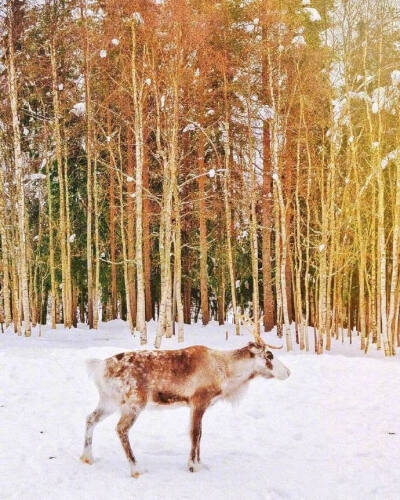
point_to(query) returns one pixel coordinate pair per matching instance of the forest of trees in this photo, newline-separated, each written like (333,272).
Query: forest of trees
(198,160)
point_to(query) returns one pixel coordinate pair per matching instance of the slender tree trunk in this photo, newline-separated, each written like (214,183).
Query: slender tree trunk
(147,238)
(395,261)
(169,180)
(253,227)
(124,250)
(96,288)
(68,275)
(112,216)
(66,298)
(381,227)
(19,166)
(4,254)
(89,184)
(138,109)
(228,213)
(130,228)
(203,235)
(178,266)
(267,211)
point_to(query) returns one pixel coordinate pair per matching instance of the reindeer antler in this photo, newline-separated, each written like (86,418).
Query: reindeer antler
(273,346)
(246,321)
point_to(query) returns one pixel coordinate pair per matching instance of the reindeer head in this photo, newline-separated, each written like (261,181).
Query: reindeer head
(267,365)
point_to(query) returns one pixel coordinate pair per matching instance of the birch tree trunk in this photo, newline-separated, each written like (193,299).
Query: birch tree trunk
(66,285)
(178,265)
(381,225)
(96,288)
(111,219)
(169,184)
(4,253)
(147,238)
(53,284)
(68,274)
(130,227)
(203,235)
(228,213)
(124,246)
(89,183)
(253,227)
(138,109)
(18,165)
(267,210)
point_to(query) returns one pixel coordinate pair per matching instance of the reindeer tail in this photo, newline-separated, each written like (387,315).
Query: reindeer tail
(95,368)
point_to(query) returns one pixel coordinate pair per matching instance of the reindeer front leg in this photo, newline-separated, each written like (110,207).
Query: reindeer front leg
(128,417)
(195,433)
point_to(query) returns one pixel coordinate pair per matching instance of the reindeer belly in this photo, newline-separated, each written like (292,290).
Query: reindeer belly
(167,399)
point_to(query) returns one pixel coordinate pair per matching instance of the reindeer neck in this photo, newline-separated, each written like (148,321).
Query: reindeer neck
(240,370)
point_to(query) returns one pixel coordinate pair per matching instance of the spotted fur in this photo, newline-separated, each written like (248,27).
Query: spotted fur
(196,377)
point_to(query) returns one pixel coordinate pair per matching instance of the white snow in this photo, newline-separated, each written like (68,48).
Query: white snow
(339,106)
(60,86)
(138,17)
(72,238)
(190,127)
(298,41)
(79,109)
(115,41)
(103,53)
(378,99)
(395,76)
(331,431)
(211,173)
(362,96)
(390,157)
(313,14)
(37,177)
(336,74)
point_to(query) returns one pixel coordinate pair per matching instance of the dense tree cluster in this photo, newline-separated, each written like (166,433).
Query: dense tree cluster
(190,160)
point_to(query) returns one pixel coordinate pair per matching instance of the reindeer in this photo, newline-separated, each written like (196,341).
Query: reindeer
(196,377)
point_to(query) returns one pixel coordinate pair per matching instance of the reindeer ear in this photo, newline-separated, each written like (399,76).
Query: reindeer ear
(255,348)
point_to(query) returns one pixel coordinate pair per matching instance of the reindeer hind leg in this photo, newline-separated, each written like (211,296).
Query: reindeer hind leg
(103,410)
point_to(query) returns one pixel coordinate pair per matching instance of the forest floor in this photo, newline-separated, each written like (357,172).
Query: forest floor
(331,431)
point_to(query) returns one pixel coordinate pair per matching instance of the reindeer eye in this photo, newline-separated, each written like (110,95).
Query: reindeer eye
(268,364)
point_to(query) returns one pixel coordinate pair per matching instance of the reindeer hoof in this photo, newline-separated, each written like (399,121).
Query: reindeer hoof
(193,467)
(137,471)
(86,460)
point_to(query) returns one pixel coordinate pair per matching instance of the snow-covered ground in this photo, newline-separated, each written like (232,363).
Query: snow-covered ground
(331,431)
